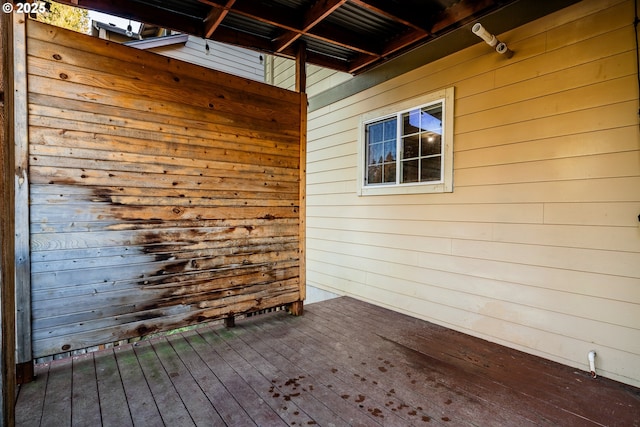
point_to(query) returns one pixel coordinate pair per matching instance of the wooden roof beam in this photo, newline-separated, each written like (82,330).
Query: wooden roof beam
(142,13)
(238,38)
(312,17)
(454,15)
(215,17)
(382,7)
(346,39)
(461,11)
(271,14)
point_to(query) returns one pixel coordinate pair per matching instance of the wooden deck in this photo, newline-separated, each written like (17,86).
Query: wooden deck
(343,363)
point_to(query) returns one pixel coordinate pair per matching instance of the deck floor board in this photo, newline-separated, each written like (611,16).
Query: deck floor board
(86,402)
(433,376)
(343,363)
(111,391)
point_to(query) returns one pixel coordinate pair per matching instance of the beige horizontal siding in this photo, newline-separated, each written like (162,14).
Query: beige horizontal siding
(538,246)
(281,72)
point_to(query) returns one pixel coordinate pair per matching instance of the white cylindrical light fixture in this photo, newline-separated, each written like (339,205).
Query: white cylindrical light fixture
(491,40)
(485,35)
(502,49)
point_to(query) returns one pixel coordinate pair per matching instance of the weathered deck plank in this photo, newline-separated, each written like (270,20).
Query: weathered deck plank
(142,407)
(29,406)
(236,386)
(113,400)
(57,399)
(201,410)
(86,403)
(168,400)
(344,362)
(287,383)
(227,407)
(321,354)
(553,393)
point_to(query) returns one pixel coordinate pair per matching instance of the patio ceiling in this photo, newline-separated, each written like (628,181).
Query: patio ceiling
(346,35)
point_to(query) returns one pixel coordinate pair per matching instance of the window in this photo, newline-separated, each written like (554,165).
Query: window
(407,148)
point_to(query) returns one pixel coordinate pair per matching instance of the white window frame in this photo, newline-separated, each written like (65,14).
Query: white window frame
(446,96)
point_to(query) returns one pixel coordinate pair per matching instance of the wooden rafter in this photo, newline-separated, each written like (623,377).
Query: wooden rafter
(312,17)
(330,27)
(142,13)
(460,12)
(381,7)
(215,17)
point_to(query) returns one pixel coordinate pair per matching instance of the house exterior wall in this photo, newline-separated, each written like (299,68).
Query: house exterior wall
(229,59)
(538,245)
(281,72)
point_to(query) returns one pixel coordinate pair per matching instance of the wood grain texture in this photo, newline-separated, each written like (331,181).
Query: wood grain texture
(7,226)
(162,194)
(21,194)
(344,363)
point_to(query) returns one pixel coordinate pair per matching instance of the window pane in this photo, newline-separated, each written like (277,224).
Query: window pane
(431,144)
(410,171)
(430,169)
(411,122)
(431,119)
(381,151)
(411,147)
(374,174)
(374,132)
(375,154)
(390,129)
(390,151)
(390,172)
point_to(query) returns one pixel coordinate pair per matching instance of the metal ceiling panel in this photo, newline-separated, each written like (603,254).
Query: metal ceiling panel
(347,35)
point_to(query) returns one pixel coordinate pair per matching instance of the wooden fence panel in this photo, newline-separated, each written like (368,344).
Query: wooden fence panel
(162,194)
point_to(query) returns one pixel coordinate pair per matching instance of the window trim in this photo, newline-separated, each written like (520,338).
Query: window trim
(445,186)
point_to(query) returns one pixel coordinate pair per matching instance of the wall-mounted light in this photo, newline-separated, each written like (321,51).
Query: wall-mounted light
(491,40)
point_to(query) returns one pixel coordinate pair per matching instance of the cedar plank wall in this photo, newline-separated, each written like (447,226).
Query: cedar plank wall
(538,246)
(162,194)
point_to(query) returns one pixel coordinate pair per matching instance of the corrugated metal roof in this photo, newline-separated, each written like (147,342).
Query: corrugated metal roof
(347,35)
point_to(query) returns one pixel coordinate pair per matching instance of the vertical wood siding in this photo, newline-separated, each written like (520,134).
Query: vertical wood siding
(538,247)
(162,194)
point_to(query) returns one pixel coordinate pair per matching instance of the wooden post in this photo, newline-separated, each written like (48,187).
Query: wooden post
(301,68)
(296,308)
(301,86)
(230,321)
(21,197)
(7,269)
(302,214)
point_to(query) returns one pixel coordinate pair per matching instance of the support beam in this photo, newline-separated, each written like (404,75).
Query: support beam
(302,210)
(301,68)
(138,11)
(215,17)
(312,17)
(7,277)
(21,197)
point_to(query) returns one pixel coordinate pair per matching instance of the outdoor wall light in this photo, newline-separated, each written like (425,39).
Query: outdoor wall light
(491,40)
